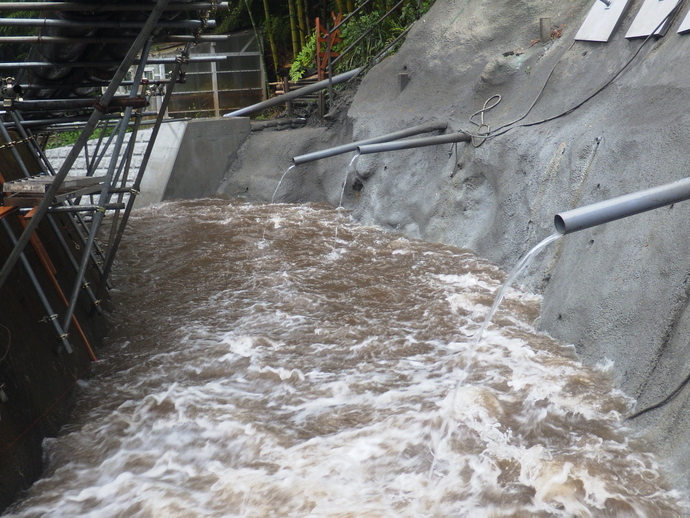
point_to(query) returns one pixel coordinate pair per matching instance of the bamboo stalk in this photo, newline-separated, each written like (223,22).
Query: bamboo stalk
(271,39)
(301,24)
(293,28)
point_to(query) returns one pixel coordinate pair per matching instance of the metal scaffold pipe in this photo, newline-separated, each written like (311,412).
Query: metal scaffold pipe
(96,115)
(300,92)
(346,148)
(111,64)
(102,24)
(74,104)
(414,143)
(622,206)
(50,315)
(174,38)
(109,6)
(110,259)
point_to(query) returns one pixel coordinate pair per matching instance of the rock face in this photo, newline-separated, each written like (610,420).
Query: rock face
(619,291)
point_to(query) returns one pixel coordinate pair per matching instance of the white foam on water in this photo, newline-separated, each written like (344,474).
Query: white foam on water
(297,381)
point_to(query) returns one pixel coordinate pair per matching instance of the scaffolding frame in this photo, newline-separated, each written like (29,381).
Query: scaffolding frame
(37,198)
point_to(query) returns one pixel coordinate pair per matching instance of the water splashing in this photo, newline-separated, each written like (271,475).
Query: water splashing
(446,430)
(263,234)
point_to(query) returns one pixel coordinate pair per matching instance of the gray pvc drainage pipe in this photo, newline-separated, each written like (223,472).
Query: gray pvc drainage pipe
(305,90)
(352,146)
(622,206)
(412,143)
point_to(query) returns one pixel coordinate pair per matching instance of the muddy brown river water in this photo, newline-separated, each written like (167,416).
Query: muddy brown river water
(281,361)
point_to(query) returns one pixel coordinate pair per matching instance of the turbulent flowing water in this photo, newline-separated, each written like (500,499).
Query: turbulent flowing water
(302,375)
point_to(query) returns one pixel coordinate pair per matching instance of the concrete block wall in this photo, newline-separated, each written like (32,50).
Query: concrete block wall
(58,155)
(188,160)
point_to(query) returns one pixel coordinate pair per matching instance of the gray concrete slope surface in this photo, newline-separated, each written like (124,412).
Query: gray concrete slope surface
(617,292)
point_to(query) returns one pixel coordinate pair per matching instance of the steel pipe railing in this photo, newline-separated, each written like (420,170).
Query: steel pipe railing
(92,84)
(414,143)
(622,206)
(294,94)
(364,34)
(352,146)
(87,208)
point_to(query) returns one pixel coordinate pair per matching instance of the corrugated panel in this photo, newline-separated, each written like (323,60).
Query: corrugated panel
(602,21)
(650,16)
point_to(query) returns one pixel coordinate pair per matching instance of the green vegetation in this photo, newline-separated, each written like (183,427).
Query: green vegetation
(288,26)
(305,59)
(15,52)
(376,36)
(67,138)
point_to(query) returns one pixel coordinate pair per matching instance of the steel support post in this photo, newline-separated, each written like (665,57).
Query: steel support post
(107,267)
(124,169)
(62,333)
(38,152)
(97,218)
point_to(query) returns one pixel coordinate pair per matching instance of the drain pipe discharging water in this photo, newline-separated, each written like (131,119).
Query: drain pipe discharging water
(413,143)
(352,146)
(622,206)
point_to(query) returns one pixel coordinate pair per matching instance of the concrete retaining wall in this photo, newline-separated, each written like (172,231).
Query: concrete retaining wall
(189,159)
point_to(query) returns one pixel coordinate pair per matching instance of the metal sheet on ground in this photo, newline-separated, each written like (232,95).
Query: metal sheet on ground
(651,14)
(602,20)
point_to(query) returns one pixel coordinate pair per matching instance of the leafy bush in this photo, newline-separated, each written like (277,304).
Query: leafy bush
(375,36)
(304,60)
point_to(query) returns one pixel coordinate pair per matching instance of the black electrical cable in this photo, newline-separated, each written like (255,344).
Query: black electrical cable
(493,134)
(661,403)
